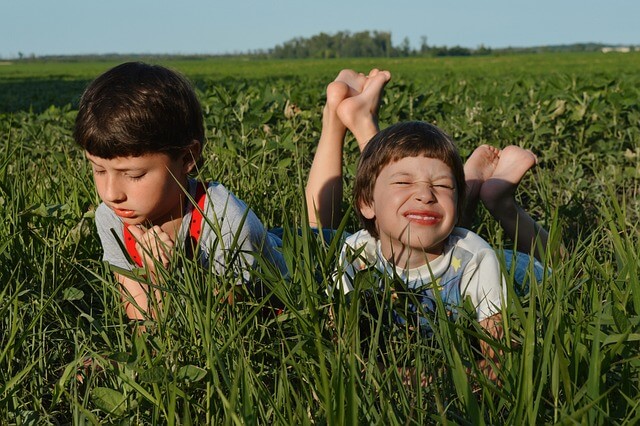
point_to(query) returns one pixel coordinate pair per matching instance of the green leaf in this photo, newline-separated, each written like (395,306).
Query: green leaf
(191,373)
(72,293)
(109,400)
(120,356)
(620,319)
(157,374)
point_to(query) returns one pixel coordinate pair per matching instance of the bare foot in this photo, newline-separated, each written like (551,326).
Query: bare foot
(348,83)
(479,167)
(337,91)
(360,112)
(500,188)
(498,195)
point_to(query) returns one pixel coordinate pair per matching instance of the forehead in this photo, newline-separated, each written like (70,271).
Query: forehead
(131,162)
(418,167)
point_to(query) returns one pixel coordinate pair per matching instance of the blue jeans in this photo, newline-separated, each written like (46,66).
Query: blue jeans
(524,263)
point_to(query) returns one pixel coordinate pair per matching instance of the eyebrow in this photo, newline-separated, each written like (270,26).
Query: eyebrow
(411,175)
(119,169)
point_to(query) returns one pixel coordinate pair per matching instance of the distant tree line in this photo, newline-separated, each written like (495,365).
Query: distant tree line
(364,44)
(339,45)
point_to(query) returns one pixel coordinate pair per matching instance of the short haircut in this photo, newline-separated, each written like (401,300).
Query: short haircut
(401,140)
(135,109)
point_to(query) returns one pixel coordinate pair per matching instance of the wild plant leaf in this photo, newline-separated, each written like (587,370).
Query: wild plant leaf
(620,318)
(191,373)
(72,293)
(120,357)
(109,400)
(155,374)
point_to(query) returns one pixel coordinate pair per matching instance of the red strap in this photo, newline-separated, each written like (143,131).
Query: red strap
(130,244)
(195,227)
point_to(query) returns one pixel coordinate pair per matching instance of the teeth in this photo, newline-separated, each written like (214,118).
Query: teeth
(416,216)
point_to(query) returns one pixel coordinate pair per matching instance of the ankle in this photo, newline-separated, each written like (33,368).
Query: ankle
(501,207)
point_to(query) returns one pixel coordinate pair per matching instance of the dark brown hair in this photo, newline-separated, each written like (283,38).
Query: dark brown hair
(401,140)
(135,109)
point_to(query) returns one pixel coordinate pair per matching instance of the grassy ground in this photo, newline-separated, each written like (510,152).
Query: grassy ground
(572,347)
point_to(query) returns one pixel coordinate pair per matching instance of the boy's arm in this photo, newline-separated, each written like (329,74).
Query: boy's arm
(135,297)
(491,359)
(155,247)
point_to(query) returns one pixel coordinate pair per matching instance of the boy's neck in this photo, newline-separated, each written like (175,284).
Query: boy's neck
(172,223)
(406,257)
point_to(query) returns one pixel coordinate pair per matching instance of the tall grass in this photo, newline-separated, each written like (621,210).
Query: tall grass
(570,353)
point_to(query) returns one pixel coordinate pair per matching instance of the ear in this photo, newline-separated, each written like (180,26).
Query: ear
(367,210)
(191,156)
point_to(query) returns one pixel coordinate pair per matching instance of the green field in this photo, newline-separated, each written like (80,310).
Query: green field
(572,352)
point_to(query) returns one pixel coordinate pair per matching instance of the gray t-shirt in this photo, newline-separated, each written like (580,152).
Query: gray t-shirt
(231,234)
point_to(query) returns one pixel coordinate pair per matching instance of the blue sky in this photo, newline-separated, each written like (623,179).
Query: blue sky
(45,27)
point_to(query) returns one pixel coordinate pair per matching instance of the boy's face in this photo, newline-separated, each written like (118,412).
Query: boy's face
(145,189)
(414,207)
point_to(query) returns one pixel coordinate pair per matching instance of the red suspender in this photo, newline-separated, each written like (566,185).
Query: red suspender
(195,227)
(130,244)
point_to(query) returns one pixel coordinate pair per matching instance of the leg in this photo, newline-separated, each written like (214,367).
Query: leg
(477,169)
(323,192)
(324,187)
(498,195)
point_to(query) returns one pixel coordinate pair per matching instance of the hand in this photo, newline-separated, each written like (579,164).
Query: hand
(153,245)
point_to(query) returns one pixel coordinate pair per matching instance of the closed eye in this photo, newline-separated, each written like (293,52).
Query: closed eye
(137,177)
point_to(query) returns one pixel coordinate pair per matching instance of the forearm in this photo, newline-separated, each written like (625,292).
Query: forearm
(137,300)
(490,362)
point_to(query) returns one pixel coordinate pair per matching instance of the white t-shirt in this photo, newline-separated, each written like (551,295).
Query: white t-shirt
(466,256)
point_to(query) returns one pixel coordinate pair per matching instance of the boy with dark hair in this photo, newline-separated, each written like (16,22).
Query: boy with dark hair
(142,130)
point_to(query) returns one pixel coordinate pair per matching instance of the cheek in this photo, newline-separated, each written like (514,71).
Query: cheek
(456,210)
(100,183)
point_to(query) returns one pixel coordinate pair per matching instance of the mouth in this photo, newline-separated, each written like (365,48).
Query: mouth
(423,217)
(124,213)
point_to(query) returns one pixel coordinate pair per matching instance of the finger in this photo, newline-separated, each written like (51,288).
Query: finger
(156,231)
(153,241)
(137,231)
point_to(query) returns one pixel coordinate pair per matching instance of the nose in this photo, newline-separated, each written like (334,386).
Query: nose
(112,190)
(424,193)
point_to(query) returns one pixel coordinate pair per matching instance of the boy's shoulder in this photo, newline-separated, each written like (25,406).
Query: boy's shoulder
(468,240)
(220,200)
(359,250)
(106,218)
(360,239)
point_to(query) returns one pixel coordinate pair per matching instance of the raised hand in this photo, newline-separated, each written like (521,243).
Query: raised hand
(154,246)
